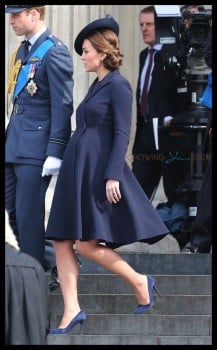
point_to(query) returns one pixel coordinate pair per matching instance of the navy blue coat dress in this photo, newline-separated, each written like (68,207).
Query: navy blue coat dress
(96,152)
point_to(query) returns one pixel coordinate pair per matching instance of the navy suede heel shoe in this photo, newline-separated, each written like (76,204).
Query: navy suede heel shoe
(79,318)
(151,286)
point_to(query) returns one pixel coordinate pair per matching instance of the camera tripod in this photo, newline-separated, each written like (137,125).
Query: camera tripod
(193,121)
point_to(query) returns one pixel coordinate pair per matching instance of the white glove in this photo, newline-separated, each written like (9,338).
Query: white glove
(51,166)
(167,120)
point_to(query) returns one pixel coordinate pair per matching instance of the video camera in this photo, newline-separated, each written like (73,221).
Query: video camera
(185,35)
(191,68)
(194,36)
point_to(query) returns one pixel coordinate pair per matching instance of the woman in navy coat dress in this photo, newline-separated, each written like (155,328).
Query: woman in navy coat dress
(97,198)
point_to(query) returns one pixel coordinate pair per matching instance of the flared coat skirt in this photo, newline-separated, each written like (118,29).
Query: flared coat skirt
(80,209)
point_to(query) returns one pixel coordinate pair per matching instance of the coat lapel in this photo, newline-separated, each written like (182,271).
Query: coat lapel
(92,91)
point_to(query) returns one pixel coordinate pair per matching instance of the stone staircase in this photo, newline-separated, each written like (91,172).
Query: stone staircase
(181,315)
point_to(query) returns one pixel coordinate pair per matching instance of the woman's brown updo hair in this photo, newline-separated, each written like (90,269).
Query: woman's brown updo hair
(106,41)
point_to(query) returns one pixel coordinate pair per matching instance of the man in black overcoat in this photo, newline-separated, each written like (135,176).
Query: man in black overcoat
(27,305)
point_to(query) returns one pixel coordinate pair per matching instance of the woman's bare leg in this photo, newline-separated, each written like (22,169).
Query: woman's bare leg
(112,261)
(67,268)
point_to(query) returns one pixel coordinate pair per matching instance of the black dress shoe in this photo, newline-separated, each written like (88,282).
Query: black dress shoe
(54,282)
(191,248)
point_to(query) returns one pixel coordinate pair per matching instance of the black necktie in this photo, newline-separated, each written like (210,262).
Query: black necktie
(143,104)
(26,47)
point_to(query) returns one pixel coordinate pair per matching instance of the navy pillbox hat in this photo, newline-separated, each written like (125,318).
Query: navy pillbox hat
(18,8)
(101,23)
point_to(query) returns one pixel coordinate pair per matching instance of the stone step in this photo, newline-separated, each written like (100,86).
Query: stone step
(187,295)
(181,315)
(167,284)
(125,304)
(141,326)
(161,264)
(127,340)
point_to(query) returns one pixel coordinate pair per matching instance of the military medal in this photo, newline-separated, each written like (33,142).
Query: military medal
(32,69)
(31,87)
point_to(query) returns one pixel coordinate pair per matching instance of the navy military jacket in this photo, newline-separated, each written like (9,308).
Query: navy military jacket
(40,124)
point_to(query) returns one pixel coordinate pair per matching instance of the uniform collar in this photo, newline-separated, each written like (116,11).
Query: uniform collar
(33,39)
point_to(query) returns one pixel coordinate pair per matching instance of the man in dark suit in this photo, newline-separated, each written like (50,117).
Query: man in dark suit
(40,84)
(169,161)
